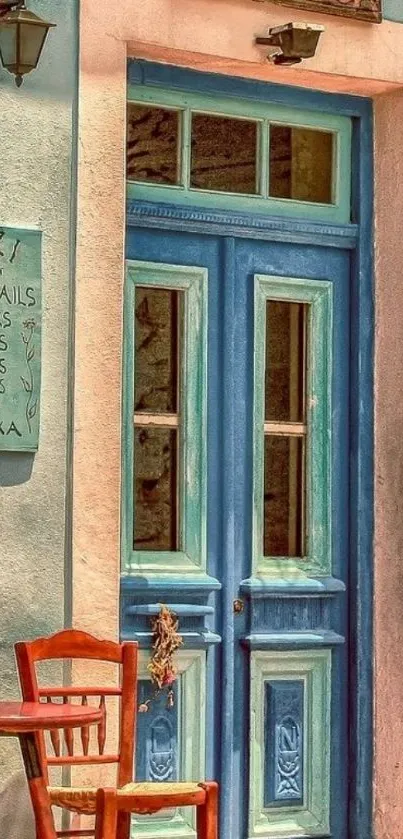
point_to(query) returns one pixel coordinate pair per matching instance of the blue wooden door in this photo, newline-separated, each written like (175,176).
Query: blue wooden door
(258,581)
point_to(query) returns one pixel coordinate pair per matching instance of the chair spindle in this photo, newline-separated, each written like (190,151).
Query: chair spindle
(102,726)
(54,734)
(85,731)
(68,734)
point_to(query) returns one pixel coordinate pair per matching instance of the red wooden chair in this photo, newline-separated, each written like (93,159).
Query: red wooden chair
(149,798)
(72,644)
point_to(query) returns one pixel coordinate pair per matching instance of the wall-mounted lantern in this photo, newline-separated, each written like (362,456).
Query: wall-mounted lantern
(295,40)
(22,36)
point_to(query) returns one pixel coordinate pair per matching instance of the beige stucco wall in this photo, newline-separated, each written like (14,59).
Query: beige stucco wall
(218,35)
(36,180)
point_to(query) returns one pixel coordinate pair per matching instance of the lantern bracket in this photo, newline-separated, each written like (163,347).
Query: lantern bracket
(10,5)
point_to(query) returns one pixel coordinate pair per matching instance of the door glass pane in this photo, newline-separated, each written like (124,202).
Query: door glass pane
(155,483)
(153,144)
(224,154)
(301,164)
(158,340)
(157,330)
(285,361)
(283,496)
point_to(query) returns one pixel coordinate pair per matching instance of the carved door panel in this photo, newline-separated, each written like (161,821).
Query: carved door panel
(260,702)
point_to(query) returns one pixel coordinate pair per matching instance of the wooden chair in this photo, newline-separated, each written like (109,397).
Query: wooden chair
(72,644)
(148,798)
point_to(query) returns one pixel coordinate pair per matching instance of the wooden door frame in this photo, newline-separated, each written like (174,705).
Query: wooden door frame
(358,237)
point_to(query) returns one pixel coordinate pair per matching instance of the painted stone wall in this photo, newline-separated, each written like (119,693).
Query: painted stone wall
(393,10)
(36,189)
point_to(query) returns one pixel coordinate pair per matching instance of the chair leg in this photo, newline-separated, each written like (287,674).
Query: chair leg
(123,826)
(106,814)
(207,814)
(44,823)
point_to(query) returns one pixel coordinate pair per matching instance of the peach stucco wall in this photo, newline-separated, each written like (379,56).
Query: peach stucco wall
(389,469)
(225,30)
(218,35)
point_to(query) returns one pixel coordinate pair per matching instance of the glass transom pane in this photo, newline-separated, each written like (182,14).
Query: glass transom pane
(153,144)
(224,154)
(301,164)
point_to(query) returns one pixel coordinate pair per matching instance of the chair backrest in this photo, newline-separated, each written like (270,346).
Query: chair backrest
(72,644)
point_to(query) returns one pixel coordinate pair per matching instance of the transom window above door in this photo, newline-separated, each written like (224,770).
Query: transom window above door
(247,156)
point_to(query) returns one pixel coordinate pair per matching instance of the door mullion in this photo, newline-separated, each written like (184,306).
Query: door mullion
(229,791)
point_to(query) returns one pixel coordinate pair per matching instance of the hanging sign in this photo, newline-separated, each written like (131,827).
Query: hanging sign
(20,338)
(370,10)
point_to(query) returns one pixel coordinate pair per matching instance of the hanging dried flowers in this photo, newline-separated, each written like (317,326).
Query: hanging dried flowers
(166,641)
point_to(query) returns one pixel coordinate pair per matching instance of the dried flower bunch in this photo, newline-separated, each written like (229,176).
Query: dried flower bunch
(166,640)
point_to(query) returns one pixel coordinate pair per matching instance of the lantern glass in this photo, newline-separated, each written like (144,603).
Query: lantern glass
(32,39)
(8,45)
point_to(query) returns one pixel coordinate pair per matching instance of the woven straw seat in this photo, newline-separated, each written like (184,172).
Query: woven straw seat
(82,800)
(173,788)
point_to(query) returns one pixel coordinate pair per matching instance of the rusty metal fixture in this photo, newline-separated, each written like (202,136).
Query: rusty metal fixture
(166,640)
(296,41)
(22,37)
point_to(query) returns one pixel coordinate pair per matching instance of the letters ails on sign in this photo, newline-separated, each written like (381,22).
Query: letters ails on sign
(20,339)
(370,10)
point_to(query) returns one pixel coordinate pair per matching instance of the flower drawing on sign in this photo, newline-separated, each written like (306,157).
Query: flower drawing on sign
(28,383)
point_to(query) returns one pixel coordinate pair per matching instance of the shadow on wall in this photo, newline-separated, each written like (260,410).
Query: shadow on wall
(15,469)
(16,817)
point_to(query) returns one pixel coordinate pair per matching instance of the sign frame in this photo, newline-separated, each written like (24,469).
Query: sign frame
(20,338)
(369,10)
